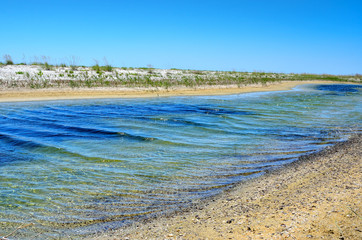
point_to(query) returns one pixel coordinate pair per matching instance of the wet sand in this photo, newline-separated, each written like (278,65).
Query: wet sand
(13,95)
(317,197)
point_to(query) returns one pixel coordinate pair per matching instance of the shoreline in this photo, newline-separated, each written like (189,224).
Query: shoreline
(22,95)
(317,196)
(247,201)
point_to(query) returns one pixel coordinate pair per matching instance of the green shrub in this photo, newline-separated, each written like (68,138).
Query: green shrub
(96,67)
(8,59)
(107,68)
(47,66)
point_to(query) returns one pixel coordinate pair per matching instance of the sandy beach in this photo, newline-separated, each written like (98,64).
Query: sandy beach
(317,197)
(15,95)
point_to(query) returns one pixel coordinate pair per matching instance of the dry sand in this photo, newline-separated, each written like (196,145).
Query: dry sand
(317,197)
(7,95)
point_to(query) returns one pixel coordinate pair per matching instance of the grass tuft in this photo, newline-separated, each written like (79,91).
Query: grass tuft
(8,59)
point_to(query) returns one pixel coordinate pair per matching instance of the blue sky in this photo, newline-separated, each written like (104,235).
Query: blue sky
(298,36)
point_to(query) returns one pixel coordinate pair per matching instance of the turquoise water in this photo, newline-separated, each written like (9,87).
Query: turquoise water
(79,167)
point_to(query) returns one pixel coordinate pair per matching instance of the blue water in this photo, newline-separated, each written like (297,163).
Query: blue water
(79,167)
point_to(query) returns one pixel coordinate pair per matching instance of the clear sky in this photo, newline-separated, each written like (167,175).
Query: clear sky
(313,36)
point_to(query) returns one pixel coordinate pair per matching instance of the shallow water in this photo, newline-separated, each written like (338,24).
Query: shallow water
(78,167)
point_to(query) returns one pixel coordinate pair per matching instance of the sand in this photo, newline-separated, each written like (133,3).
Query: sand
(13,95)
(317,197)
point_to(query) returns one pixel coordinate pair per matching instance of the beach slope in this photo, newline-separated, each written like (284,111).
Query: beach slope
(317,197)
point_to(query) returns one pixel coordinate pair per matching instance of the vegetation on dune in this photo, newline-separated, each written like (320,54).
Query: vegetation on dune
(98,69)
(75,76)
(8,59)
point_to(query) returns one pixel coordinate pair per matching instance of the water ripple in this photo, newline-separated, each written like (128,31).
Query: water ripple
(82,166)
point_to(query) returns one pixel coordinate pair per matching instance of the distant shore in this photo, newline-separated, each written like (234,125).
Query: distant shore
(16,95)
(45,82)
(318,196)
